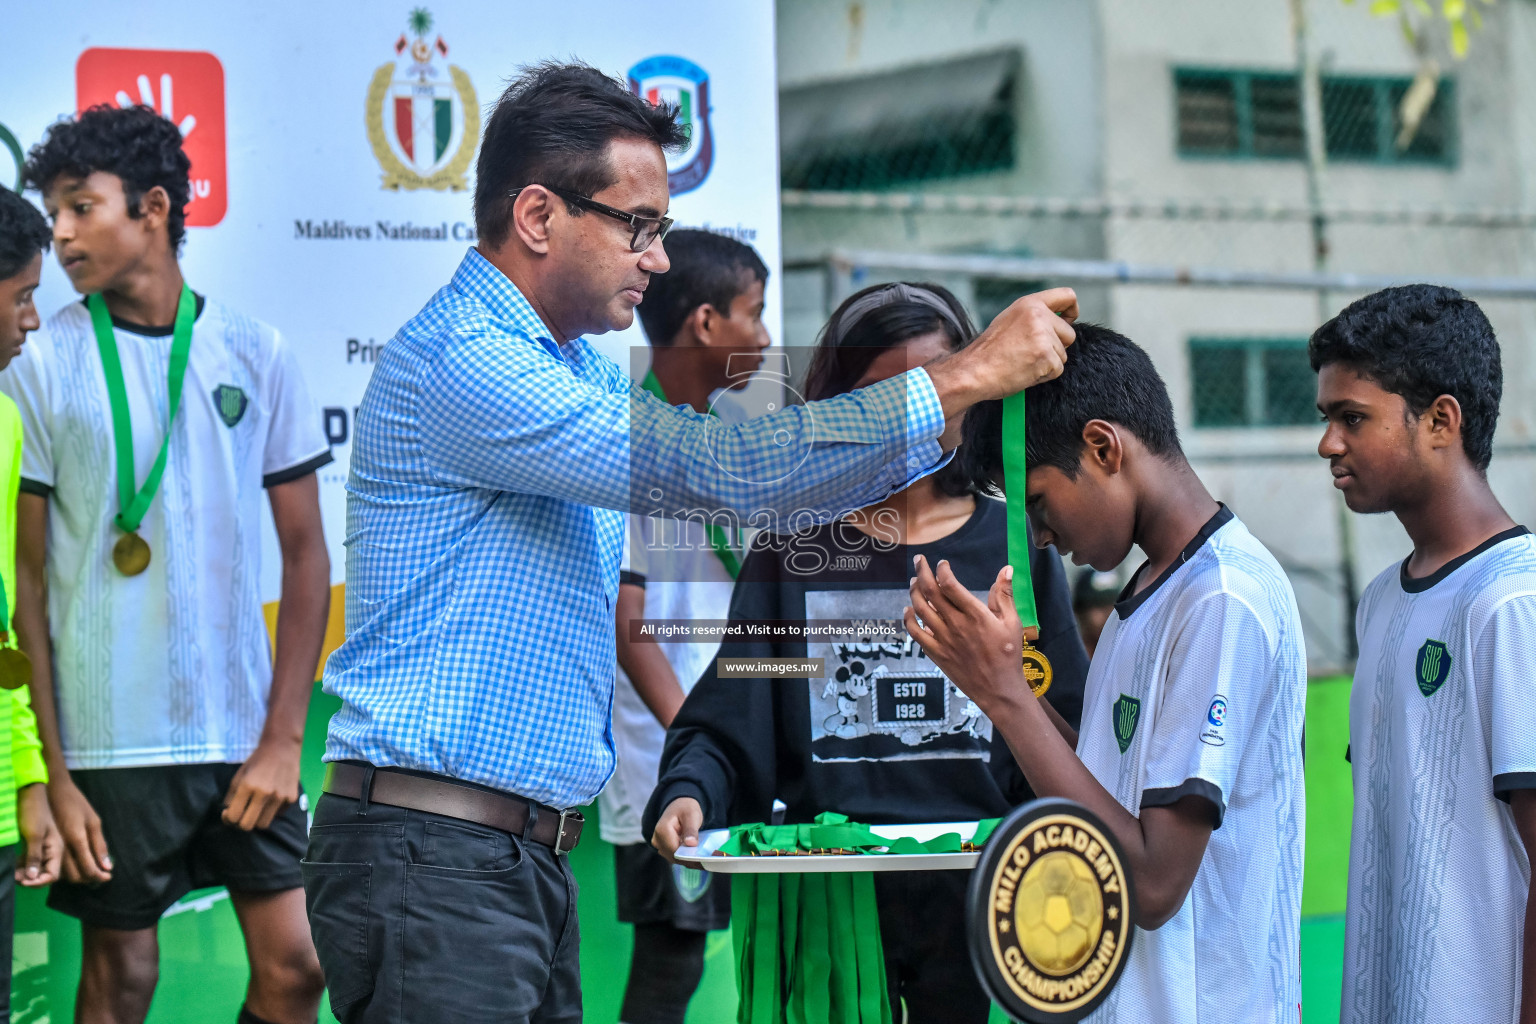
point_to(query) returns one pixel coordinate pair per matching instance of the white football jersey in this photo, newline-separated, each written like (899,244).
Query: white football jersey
(1440,734)
(684,579)
(1198,686)
(171,666)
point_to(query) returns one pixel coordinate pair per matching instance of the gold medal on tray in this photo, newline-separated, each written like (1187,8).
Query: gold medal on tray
(130,554)
(15,666)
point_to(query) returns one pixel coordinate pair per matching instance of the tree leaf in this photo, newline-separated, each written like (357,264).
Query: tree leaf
(1382,8)
(1454,10)
(1459,38)
(1408,32)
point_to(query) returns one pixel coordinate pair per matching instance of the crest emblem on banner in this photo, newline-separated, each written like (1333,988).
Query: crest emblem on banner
(423,119)
(685,85)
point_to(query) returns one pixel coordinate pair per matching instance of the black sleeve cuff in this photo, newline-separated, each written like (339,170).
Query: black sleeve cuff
(634,579)
(1505,784)
(1349,752)
(36,487)
(663,797)
(1189,787)
(292,473)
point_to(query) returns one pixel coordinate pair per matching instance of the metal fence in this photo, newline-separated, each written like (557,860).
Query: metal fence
(1223,295)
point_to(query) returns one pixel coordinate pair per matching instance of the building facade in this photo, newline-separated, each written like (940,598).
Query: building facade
(969,142)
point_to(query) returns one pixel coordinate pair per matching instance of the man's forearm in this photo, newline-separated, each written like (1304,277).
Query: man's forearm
(791,468)
(956,385)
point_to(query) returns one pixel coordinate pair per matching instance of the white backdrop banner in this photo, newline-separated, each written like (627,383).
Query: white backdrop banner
(333,148)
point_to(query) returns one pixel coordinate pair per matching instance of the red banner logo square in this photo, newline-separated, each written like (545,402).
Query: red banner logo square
(186,86)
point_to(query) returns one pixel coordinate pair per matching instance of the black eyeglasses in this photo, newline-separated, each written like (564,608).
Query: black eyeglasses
(646,229)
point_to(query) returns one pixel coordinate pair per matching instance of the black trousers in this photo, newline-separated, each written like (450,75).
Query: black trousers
(421,917)
(923,934)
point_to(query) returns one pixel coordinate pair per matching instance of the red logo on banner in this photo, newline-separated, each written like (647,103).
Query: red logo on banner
(185,86)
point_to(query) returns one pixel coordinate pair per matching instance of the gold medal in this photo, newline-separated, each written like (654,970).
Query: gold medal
(1037,669)
(130,554)
(15,667)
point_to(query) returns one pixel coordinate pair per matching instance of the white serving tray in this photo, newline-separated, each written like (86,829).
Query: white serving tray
(702,856)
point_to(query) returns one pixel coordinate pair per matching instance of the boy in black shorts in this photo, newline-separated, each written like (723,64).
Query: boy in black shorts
(154,418)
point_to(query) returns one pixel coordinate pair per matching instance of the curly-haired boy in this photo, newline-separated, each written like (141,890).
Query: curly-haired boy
(154,418)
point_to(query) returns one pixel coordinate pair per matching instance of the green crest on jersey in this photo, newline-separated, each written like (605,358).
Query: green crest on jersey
(231,403)
(1127,712)
(1432,667)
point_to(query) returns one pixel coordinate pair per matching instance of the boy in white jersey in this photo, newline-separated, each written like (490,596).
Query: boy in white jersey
(1440,924)
(1190,748)
(171,734)
(704,318)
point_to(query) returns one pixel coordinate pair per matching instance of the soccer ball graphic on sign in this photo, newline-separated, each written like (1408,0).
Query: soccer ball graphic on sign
(1060,912)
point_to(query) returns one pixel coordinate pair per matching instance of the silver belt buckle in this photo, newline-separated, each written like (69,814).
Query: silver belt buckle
(560,835)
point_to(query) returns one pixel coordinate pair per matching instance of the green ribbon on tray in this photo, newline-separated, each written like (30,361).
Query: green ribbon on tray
(808,945)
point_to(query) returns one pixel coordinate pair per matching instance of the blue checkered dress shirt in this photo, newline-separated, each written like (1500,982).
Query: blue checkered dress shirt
(491,468)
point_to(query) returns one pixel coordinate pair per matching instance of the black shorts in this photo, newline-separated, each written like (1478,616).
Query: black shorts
(166,836)
(652,891)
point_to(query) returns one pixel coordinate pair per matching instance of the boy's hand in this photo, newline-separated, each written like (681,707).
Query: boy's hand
(45,846)
(679,826)
(267,782)
(86,859)
(977,646)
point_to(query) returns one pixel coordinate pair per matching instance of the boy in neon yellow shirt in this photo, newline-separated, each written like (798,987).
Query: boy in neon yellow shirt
(24,235)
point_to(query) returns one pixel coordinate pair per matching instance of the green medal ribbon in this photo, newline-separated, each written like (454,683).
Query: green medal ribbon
(1014,468)
(133,502)
(808,945)
(1037,667)
(724,549)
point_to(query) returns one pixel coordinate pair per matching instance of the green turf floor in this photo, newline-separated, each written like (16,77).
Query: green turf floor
(202,974)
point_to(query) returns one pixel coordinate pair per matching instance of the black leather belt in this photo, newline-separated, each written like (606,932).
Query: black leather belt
(560,830)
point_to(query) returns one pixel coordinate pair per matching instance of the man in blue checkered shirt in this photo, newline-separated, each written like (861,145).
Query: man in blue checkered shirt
(495,455)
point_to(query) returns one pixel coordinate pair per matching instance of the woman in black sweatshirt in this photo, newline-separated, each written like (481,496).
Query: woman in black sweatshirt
(882,736)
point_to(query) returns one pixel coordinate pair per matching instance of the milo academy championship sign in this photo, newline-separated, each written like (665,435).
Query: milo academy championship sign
(1050,912)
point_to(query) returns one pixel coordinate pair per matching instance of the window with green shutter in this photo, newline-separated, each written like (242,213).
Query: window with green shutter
(1251,382)
(1240,114)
